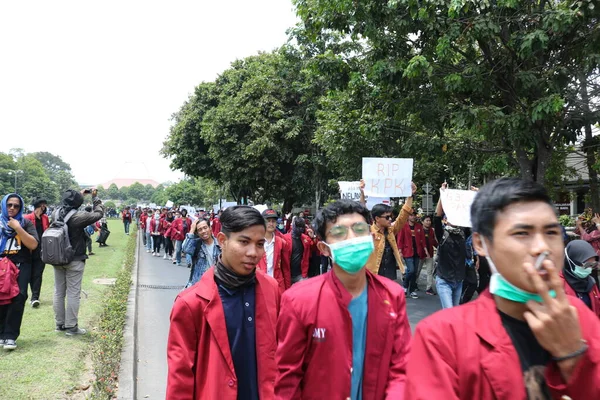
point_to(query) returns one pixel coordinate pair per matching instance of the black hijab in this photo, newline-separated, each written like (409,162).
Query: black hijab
(579,251)
(71,200)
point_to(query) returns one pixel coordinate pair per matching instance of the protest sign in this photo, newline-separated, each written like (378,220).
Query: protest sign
(457,206)
(350,190)
(387,177)
(169,204)
(371,201)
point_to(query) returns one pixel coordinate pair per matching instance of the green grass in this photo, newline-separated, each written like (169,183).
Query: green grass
(47,364)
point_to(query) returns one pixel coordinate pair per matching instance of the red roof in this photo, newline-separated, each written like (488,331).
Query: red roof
(128,182)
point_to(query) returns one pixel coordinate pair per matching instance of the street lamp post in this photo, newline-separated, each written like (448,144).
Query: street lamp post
(15,172)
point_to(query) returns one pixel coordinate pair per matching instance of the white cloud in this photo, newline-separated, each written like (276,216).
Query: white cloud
(96,83)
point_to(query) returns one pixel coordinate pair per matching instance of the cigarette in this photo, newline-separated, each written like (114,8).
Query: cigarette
(540,259)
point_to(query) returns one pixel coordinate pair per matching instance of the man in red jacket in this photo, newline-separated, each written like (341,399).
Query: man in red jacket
(41,223)
(411,243)
(299,250)
(222,337)
(181,227)
(524,338)
(276,260)
(344,334)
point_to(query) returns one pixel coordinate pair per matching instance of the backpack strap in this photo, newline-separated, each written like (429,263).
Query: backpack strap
(68,216)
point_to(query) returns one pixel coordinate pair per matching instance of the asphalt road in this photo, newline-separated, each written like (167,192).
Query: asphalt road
(159,282)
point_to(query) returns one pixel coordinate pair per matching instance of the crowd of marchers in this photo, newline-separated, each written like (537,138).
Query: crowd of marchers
(317,312)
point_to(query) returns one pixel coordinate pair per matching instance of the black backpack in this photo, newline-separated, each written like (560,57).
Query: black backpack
(55,242)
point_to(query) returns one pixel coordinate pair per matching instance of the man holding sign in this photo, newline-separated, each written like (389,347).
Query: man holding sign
(386,258)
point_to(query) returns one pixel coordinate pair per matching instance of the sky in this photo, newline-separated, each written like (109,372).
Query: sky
(97,82)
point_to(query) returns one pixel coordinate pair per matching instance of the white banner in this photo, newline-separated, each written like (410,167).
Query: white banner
(371,201)
(350,190)
(169,204)
(457,206)
(387,177)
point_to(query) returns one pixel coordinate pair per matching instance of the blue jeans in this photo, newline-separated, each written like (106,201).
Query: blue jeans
(178,244)
(148,241)
(449,292)
(126,223)
(410,280)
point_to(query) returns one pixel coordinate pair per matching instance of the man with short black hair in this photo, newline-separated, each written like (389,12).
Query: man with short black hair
(222,336)
(40,220)
(276,261)
(524,338)
(344,334)
(126,216)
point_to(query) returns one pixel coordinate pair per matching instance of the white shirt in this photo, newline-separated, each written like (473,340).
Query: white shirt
(270,250)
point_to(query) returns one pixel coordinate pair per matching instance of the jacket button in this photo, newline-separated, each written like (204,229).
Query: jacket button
(230,383)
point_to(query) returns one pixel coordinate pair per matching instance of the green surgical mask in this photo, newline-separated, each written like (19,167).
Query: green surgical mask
(502,288)
(579,271)
(352,254)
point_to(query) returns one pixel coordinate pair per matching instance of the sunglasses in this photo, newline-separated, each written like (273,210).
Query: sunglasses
(12,205)
(389,217)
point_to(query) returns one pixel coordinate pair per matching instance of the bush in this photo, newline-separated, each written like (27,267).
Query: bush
(108,339)
(566,220)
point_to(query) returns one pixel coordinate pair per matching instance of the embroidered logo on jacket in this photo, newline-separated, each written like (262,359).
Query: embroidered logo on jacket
(319,334)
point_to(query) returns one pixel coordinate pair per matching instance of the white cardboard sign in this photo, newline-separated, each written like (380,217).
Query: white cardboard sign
(349,190)
(457,206)
(387,177)
(371,201)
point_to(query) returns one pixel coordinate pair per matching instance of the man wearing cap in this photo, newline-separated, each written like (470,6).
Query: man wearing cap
(40,220)
(276,260)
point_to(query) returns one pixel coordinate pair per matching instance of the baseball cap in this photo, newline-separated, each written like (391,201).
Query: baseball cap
(270,213)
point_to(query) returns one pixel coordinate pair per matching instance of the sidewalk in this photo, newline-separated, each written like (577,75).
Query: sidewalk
(159,282)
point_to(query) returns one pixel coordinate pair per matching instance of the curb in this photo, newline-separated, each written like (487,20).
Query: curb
(128,367)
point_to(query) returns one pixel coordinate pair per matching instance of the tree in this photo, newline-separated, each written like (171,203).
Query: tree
(34,181)
(497,76)
(58,170)
(113,192)
(159,196)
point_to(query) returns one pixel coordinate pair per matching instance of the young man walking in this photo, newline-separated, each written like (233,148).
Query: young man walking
(427,262)
(276,261)
(222,336)
(524,338)
(344,334)
(40,220)
(411,243)
(126,216)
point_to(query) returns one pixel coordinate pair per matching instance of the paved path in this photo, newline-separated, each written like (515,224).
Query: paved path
(159,282)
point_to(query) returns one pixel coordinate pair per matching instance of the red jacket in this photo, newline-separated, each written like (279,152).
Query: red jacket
(156,226)
(432,240)
(309,244)
(198,352)
(314,334)
(594,295)
(143,219)
(126,216)
(215,226)
(178,233)
(465,353)
(281,263)
(405,243)
(44,218)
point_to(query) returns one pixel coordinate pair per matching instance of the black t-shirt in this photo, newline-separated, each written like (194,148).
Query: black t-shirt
(40,231)
(297,253)
(15,250)
(533,357)
(414,240)
(388,261)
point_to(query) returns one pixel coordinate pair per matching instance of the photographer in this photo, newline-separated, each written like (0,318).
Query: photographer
(67,278)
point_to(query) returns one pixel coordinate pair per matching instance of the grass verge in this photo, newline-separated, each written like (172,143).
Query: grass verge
(50,365)
(108,338)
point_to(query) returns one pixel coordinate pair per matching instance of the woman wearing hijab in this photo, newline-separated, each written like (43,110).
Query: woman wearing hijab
(167,224)
(580,260)
(18,238)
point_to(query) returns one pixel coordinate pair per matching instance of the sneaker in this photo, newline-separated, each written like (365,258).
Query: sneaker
(153,254)
(60,328)
(75,331)
(413,295)
(10,344)
(91,253)
(35,303)
(178,264)
(174,262)
(165,257)
(189,265)
(147,251)
(430,292)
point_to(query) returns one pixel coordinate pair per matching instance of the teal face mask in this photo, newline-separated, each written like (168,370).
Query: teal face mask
(579,271)
(502,288)
(352,254)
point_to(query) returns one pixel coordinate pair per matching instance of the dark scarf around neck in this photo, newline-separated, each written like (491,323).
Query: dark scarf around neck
(579,285)
(229,279)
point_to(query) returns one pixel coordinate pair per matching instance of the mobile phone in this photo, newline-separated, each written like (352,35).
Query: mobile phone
(87,191)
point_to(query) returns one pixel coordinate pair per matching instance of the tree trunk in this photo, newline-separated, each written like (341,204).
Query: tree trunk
(590,150)
(542,159)
(525,165)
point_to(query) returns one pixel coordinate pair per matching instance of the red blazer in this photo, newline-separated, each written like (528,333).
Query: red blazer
(177,228)
(215,226)
(281,263)
(143,219)
(314,335)
(156,226)
(45,221)
(198,352)
(167,228)
(594,295)
(405,244)
(432,241)
(465,353)
(309,244)
(126,216)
